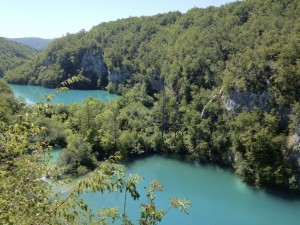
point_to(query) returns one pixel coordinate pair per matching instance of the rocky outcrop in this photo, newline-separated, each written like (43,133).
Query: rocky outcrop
(93,65)
(95,69)
(155,82)
(203,113)
(294,145)
(237,101)
(294,140)
(118,77)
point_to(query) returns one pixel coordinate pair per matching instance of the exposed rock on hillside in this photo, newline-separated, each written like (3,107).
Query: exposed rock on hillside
(118,77)
(237,101)
(95,68)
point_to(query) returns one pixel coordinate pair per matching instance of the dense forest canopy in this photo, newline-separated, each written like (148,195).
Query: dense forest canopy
(215,85)
(209,76)
(13,54)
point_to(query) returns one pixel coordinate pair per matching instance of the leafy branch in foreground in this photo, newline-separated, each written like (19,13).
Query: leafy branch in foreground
(110,176)
(62,87)
(150,215)
(28,182)
(23,162)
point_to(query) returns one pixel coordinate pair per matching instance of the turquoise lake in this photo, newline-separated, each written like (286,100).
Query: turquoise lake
(217,196)
(34,94)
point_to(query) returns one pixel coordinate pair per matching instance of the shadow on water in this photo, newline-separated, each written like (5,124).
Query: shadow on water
(281,193)
(212,190)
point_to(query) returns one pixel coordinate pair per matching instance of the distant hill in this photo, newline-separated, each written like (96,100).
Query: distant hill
(13,54)
(33,42)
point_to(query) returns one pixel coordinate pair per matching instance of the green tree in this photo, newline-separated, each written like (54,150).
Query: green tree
(78,157)
(260,150)
(27,197)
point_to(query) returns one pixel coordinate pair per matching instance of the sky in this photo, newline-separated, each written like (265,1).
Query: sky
(55,18)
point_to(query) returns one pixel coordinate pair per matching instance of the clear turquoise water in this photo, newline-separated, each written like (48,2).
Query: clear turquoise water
(218,197)
(34,94)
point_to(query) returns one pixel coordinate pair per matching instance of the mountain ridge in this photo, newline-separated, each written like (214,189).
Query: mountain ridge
(33,42)
(13,54)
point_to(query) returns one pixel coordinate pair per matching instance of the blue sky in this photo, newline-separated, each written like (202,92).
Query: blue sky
(54,18)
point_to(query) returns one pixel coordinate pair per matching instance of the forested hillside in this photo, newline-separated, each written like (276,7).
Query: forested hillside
(36,43)
(247,46)
(13,54)
(224,84)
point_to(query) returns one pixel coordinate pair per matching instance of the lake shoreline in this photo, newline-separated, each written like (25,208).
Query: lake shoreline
(275,191)
(212,189)
(32,94)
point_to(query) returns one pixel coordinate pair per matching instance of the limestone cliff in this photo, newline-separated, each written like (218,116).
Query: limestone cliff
(95,68)
(237,101)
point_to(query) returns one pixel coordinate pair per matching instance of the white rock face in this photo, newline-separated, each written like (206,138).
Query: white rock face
(236,101)
(93,65)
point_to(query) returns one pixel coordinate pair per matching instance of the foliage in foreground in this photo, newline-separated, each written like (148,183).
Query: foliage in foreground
(28,180)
